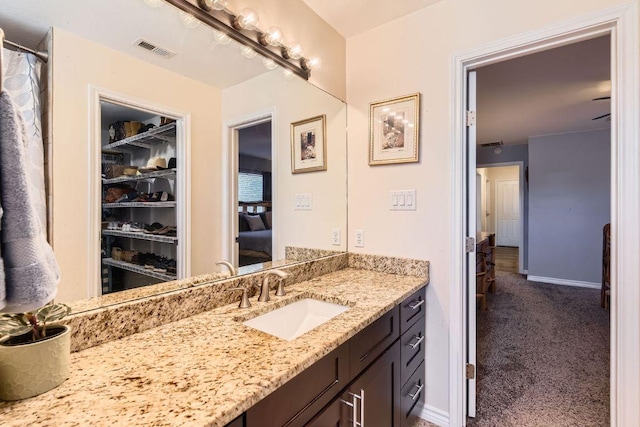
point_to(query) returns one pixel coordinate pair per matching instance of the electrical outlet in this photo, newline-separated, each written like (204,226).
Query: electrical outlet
(335,236)
(359,239)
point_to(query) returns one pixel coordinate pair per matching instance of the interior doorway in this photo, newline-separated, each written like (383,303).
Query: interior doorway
(254,199)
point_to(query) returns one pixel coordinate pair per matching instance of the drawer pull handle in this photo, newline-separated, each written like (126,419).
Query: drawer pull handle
(417,393)
(416,305)
(417,343)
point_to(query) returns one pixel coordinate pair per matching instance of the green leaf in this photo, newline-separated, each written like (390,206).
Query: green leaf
(52,312)
(14,324)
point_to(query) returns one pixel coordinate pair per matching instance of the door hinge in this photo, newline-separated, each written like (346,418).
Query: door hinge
(470,244)
(471,371)
(471,118)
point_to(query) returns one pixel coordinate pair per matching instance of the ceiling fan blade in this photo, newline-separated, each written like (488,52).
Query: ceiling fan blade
(600,117)
(601,98)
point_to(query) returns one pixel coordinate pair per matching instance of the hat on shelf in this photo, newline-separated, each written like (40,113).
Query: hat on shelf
(154,164)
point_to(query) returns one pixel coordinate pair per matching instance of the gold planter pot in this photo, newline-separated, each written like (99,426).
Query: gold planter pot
(30,369)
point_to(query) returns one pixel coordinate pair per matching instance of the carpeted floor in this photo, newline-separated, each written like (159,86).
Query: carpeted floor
(543,356)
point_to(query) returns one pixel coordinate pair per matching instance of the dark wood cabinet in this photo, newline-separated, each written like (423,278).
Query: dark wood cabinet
(376,379)
(373,400)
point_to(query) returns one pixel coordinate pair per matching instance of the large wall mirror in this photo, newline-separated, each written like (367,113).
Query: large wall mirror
(224,172)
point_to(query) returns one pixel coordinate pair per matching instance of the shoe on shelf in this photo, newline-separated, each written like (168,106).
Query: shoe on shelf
(136,227)
(149,229)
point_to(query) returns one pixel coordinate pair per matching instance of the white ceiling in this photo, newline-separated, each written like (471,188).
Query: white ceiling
(352,17)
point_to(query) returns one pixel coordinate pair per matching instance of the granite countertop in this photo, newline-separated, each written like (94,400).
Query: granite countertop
(207,369)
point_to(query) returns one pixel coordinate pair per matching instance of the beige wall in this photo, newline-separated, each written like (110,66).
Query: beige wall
(299,23)
(294,100)
(414,54)
(78,63)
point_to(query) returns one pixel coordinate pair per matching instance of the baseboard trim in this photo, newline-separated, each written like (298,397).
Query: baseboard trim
(564,282)
(435,416)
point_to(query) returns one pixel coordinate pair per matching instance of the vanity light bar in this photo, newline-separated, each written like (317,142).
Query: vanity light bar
(223,21)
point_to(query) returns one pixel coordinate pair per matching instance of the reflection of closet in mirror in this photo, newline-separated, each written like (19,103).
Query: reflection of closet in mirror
(254,194)
(139,222)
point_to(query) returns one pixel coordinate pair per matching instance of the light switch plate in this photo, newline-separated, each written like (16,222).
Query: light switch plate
(403,200)
(304,202)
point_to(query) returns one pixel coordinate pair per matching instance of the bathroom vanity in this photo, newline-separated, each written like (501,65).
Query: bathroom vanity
(210,369)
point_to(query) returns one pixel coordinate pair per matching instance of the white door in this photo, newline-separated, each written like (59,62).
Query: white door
(508,213)
(471,256)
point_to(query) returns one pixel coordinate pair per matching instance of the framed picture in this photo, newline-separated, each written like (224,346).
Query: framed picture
(309,145)
(394,130)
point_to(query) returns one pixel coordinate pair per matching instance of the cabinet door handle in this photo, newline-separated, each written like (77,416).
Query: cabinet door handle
(361,399)
(417,393)
(416,305)
(417,343)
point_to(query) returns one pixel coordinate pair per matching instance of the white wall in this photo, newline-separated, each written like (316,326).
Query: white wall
(569,203)
(78,63)
(414,54)
(294,100)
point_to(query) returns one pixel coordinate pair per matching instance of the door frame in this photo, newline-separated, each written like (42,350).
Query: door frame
(182,186)
(621,22)
(230,170)
(522,183)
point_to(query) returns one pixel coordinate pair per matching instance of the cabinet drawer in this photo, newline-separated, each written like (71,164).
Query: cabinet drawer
(298,400)
(411,309)
(373,340)
(412,348)
(411,394)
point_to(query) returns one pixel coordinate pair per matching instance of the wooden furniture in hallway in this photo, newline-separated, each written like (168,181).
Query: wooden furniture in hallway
(606,266)
(485,267)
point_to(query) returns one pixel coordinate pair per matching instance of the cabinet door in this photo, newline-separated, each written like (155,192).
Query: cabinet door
(372,400)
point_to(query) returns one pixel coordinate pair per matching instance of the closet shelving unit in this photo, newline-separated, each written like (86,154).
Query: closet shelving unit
(137,149)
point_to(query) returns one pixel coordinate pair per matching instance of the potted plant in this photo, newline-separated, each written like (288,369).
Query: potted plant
(34,356)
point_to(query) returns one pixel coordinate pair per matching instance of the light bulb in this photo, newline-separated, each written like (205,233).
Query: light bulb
(247,52)
(154,3)
(247,19)
(220,38)
(294,51)
(274,36)
(310,64)
(214,4)
(269,63)
(189,20)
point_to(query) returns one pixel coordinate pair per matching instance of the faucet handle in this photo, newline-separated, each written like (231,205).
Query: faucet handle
(244,301)
(280,292)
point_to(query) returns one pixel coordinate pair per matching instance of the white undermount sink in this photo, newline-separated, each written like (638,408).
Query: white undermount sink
(297,318)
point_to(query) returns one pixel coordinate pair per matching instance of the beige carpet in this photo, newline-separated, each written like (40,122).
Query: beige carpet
(543,356)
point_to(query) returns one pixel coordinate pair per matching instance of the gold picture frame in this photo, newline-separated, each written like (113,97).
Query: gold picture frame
(309,145)
(394,130)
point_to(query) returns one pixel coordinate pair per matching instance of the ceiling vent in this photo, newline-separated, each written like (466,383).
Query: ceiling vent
(492,144)
(160,51)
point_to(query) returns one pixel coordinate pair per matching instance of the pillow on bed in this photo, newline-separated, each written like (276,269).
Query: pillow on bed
(242,222)
(266,218)
(255,222)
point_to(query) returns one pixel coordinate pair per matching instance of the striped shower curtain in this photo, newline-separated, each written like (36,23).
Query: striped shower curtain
(21,76)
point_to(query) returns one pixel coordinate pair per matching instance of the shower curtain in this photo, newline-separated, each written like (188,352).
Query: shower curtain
(21,76)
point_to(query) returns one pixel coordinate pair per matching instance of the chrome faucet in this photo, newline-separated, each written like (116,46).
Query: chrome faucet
(232,269)
(264,289)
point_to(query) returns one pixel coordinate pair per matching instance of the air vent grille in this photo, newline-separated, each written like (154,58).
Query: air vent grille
(160,51)
(492,144)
